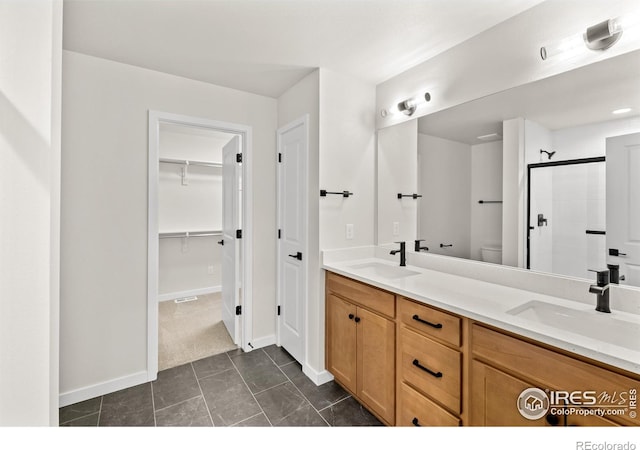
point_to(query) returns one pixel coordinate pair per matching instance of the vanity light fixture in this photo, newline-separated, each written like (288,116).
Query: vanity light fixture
(408,106)
(597,37)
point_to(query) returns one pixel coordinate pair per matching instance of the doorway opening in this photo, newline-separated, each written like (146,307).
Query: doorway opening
(199,239)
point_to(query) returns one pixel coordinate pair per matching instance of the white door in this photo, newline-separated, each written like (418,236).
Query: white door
(623,206)
(230,247)
(292,242)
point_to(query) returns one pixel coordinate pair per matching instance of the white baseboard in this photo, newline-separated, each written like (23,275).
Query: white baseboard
(261,342)
(96,390)
(190,293)
(318,378)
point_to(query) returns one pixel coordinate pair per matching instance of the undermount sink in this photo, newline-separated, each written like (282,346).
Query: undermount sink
(586,322)
(383,270)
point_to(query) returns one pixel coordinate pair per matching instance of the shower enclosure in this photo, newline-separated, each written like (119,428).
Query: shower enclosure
(566,216)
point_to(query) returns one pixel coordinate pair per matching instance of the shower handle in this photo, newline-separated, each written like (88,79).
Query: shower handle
(542,221)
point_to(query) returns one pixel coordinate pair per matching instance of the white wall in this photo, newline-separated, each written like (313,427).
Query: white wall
(589,141)
(445,183)
(486,184)
(513,192)
(189,266)
(346,162)
(397,172)
(104,210)
(506,56)
(30,73)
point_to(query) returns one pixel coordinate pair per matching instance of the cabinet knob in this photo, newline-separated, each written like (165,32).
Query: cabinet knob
(351,316)
(415,422)
(357,319)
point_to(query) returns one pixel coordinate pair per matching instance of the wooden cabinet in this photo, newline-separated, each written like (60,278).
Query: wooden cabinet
(503,366)
(412,364)
(360,343)
(430,363)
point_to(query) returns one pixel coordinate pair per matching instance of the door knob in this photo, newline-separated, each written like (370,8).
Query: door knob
(297,256)
(221,242)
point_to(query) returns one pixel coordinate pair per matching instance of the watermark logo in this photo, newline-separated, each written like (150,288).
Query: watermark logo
(533,403)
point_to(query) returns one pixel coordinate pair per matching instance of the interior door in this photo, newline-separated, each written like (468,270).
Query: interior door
(230,247)
(292,178)
(623,206)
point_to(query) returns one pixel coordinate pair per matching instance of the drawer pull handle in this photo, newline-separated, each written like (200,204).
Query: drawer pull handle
(430,372)
(415,422)
(434,325)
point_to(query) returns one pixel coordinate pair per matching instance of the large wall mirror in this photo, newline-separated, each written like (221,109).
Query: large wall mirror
(568,141)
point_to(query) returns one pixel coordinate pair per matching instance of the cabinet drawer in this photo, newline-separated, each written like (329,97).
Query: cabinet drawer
(430,321)
(418,410)
(368,296)
(433,368)
(552,369)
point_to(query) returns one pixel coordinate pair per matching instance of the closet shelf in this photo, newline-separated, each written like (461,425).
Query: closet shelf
(188,162)
(188,234)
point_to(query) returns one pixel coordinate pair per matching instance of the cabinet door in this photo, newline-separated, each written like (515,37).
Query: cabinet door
(341,341)
(494,398)
(376,363)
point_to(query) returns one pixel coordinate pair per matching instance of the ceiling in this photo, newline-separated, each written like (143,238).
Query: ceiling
(266,46)
(577,97)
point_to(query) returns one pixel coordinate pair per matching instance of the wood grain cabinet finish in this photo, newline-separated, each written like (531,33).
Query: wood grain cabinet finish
(360,343)
(430,365)
(418,411)
(537,366)
(430,321)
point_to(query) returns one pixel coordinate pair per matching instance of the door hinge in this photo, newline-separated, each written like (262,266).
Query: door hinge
(238,310)
(279,234)
(279,157)
(278,309)
(238,157)
(238,234)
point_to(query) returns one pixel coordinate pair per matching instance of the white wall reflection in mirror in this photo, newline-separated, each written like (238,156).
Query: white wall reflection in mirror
(470,165)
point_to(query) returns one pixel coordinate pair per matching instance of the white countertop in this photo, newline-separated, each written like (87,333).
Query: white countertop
(490,302)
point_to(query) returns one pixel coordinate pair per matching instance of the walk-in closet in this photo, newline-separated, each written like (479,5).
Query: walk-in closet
(190,220)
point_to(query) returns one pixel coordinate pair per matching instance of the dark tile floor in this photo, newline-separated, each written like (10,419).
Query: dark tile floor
(262,388)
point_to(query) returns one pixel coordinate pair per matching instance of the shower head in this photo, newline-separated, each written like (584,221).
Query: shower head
(549,154)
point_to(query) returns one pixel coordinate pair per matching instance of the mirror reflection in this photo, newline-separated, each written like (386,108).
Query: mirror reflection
(520,177)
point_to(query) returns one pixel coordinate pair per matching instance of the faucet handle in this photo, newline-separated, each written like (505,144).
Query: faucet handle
(602,276)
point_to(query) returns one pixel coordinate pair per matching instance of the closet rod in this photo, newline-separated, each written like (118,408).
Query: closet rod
(188,162)
(187,234)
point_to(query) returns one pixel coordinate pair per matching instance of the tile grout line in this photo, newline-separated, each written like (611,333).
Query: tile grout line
(153,405)
(82,417)
(100,410)
(298,389)
(179,403)
(202,394)
(245,383)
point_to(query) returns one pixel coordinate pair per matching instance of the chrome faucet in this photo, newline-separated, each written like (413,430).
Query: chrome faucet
(601,289)
(403,254)
(418,248)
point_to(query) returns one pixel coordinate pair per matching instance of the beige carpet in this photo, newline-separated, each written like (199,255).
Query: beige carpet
(191,330)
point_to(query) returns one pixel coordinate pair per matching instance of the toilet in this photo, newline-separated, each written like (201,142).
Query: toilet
(492,254)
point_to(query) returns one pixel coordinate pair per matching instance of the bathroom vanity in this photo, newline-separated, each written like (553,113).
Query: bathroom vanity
(420,347)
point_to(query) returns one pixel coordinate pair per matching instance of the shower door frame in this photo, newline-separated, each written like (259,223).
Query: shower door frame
(567,162)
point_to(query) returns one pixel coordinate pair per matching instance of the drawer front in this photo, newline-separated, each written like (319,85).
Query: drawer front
(432,368)
(418,410)
(558,371)
(368,296)
(430,321)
